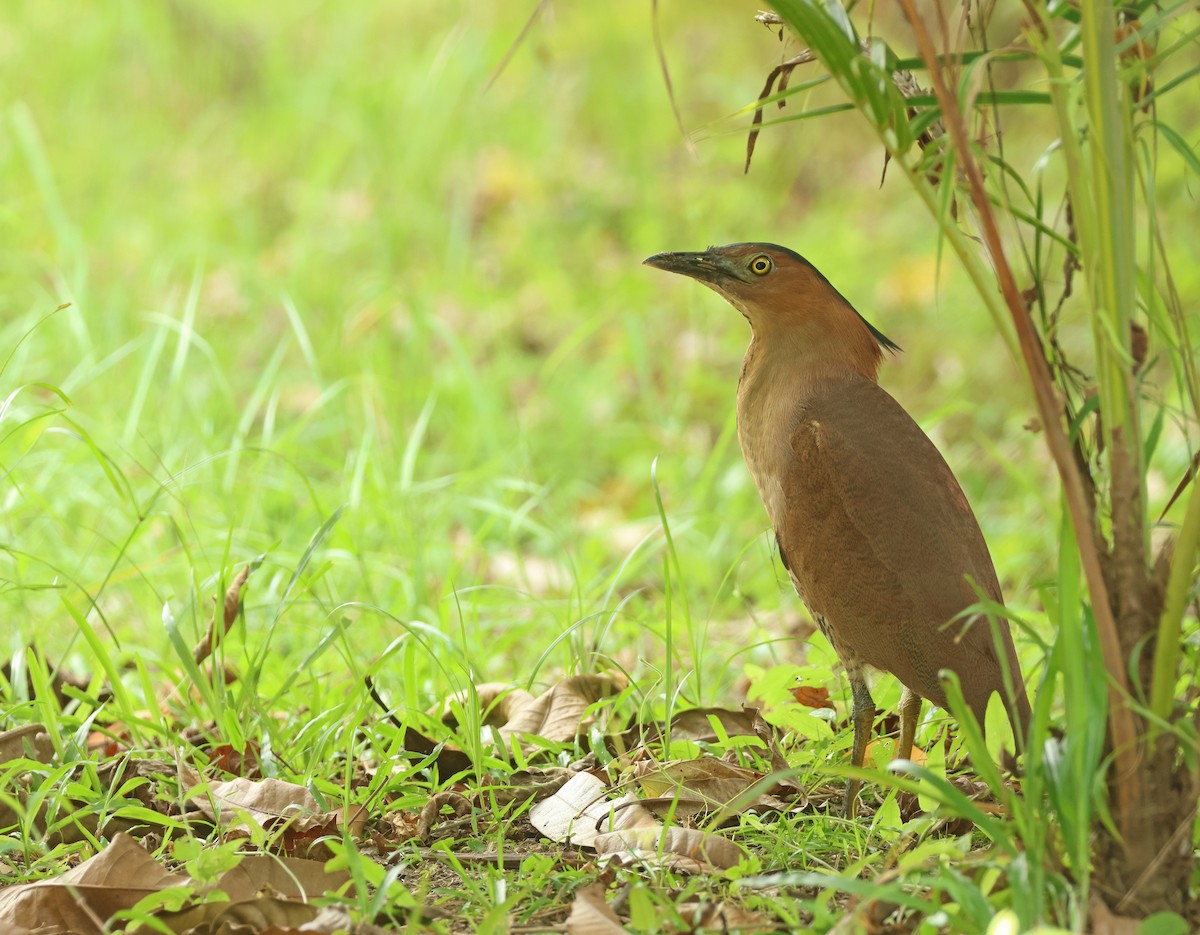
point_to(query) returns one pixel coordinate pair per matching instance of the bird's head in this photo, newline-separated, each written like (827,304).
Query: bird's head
(788,303)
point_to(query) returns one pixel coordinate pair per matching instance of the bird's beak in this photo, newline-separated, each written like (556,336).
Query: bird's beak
(706,266)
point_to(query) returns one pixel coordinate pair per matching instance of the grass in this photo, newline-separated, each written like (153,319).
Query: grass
(339,308)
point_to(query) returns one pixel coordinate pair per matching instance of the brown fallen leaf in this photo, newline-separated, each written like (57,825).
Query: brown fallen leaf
(591,915)
(258,914)
(558,713)
(288,877)
(232,607)
(433,810)
(720,917)
(30,741)
(713,781)
(498,701)
(696,724)
(81,900)
(812,696)
(687,850)
(266,801)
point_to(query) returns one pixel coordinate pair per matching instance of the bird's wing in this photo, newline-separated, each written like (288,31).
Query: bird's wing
(880,536)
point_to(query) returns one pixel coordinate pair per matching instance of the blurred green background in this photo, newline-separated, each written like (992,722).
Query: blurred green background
(313,259)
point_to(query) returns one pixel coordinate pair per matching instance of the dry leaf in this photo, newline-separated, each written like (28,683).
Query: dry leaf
(685,849)
(115,879)
(572,813)
(259,914)
(558,713)
(714,781)
(719,917)
(233,606)
(289,877)
(591,915)
(696,724)
(812,696)
(29,740)
(266,801)
(498,701)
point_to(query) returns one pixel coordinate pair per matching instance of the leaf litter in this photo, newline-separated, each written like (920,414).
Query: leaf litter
(271,853)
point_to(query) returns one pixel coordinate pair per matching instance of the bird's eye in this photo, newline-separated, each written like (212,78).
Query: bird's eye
(761,265)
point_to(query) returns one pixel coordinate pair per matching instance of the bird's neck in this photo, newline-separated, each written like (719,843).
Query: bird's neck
(791,366)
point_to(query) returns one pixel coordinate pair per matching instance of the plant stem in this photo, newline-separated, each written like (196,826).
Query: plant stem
(1179,587)
(1120,716)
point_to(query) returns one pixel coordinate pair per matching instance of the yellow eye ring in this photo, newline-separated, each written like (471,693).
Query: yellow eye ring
(761,265)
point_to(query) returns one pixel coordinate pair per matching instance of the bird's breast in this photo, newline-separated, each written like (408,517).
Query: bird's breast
(765,423)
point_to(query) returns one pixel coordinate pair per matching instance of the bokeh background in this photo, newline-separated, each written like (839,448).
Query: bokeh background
(322,256)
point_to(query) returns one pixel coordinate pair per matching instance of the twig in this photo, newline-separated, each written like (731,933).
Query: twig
(666,73)
(517,43)
(783,72)
(383,705)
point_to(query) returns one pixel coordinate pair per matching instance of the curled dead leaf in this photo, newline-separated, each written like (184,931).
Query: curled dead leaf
(591,915)
(266,801)
(697,724)
(498,701)
(572,813)
(30,741)
(558,713)
(812,696)
(115,879)
(257,914)
(433,810)
(684,849)
(232,607)
(289,877)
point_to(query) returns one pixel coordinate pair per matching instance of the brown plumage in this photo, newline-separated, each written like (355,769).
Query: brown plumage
(872,526)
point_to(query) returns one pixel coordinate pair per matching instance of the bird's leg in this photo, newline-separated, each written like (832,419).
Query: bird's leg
(910,710)
(864,720)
